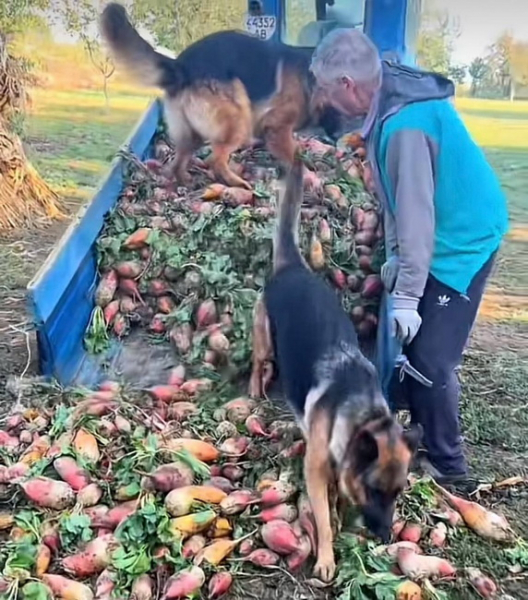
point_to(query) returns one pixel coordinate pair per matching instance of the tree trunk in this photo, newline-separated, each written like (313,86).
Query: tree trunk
(105,92)
(512,90)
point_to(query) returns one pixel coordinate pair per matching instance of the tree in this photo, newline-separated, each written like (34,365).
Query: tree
(436,39)
(478,70)
(499,61)
(175,25)
(518,67)
(17,16)
(457,73)
(80,17)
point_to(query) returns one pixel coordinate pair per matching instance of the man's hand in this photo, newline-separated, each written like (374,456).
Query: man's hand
(389,273)
(406,320)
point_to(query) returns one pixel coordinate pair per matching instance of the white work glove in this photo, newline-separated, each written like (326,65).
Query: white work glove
(406,320)
(389,273)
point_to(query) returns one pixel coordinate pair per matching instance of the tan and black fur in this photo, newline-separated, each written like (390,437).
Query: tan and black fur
(226,88)
(351,437)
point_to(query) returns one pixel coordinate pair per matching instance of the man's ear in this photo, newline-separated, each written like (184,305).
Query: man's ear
(412,437)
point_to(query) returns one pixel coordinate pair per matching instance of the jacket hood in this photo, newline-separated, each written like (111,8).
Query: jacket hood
(402,85)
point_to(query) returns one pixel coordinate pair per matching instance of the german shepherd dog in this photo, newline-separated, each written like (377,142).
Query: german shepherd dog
(353,443)
(228,88)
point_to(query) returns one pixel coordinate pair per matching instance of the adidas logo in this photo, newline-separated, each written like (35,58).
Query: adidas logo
(443,301)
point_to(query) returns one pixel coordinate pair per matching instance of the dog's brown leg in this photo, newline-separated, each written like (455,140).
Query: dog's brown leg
(318,475)
(262,350)
(281,143)
(220,163)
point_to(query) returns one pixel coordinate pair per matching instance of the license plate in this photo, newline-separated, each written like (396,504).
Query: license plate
(262,26)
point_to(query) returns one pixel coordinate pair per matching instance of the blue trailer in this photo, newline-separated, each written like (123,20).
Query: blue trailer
(61,296)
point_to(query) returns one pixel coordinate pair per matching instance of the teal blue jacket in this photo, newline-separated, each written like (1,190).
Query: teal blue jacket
(445,212)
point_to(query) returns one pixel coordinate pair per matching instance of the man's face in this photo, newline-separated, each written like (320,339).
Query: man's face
(346,97)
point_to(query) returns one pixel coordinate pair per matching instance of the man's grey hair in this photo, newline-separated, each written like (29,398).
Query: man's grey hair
(347,53)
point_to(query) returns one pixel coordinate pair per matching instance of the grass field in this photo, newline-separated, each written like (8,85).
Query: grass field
(72,137)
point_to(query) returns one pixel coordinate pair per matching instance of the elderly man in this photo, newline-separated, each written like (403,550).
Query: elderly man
(445,216)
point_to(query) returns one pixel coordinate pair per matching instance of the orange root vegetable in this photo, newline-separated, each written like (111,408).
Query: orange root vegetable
(234,446)
(280,537)
(372,286)
(255,426)
(277,493)
(189,525)
(43,560)
(180,501)
(418,567)
(239,409)
(325,233)
(67,589)
(483,522)
(93,559)
(237,502)
(181,337)
(38,449)
(219,585)
(48,493)
(438,535)
(298,558)
(213,191)
(105,292)
(138,239)
(177,375)
(411,533)
(233,472)
(7,521)
(201,450)
(317,258)
(165,393)
(51,537)
(86,446)
(70,472)
(485,586)
(220,528)
(90,495)
(115,516)
(171,476)
(184,585)
(306,518)
(180,411)
(222,483)
(142,588)
(195,386)
(193,545)
(295,450)
(110,312)
(263,558)
(282,512)
(234,196)
(215,553)
(408,590)
(218,342)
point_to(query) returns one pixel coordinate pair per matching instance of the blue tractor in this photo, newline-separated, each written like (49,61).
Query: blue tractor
(391,24)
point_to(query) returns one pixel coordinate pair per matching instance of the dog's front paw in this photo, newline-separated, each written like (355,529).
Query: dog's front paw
(325,568)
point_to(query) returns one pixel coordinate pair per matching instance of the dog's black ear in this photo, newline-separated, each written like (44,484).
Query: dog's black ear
(412,437)
(365,449)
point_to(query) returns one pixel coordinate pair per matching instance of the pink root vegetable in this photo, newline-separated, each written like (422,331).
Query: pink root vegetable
(297,559)
(219,585)
(221,483)
(246,547)
(180,411)
(48,493)
(8,441)
(234,446)
(218,342)
(206,314)
(233,472)
(177,376)
(171,476)
(90,495)
(263,558)
(165,393)
(295,450)
(392,549)
(111,311)
(129,269)
(185,584)
(283,512)
(411,533)
(67,589)
(277,493)
(142,588)
(438,535)
(105,584)
(280,537)
(70,472)
(51,537)
(95,557)
(237,502)
(485,586)
(115,516)
(256,426)
(418,567)
(105,292)
(372,286)
(181,336)
(193,546)
(123,425)
(195,386)
(239,409)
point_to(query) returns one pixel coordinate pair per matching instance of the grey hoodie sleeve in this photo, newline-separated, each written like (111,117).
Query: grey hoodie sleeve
(410,167)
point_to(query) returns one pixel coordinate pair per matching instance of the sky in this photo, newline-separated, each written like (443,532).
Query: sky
(482,21)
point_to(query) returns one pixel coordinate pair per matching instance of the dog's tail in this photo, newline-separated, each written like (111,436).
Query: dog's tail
(137,56)
(286,245)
